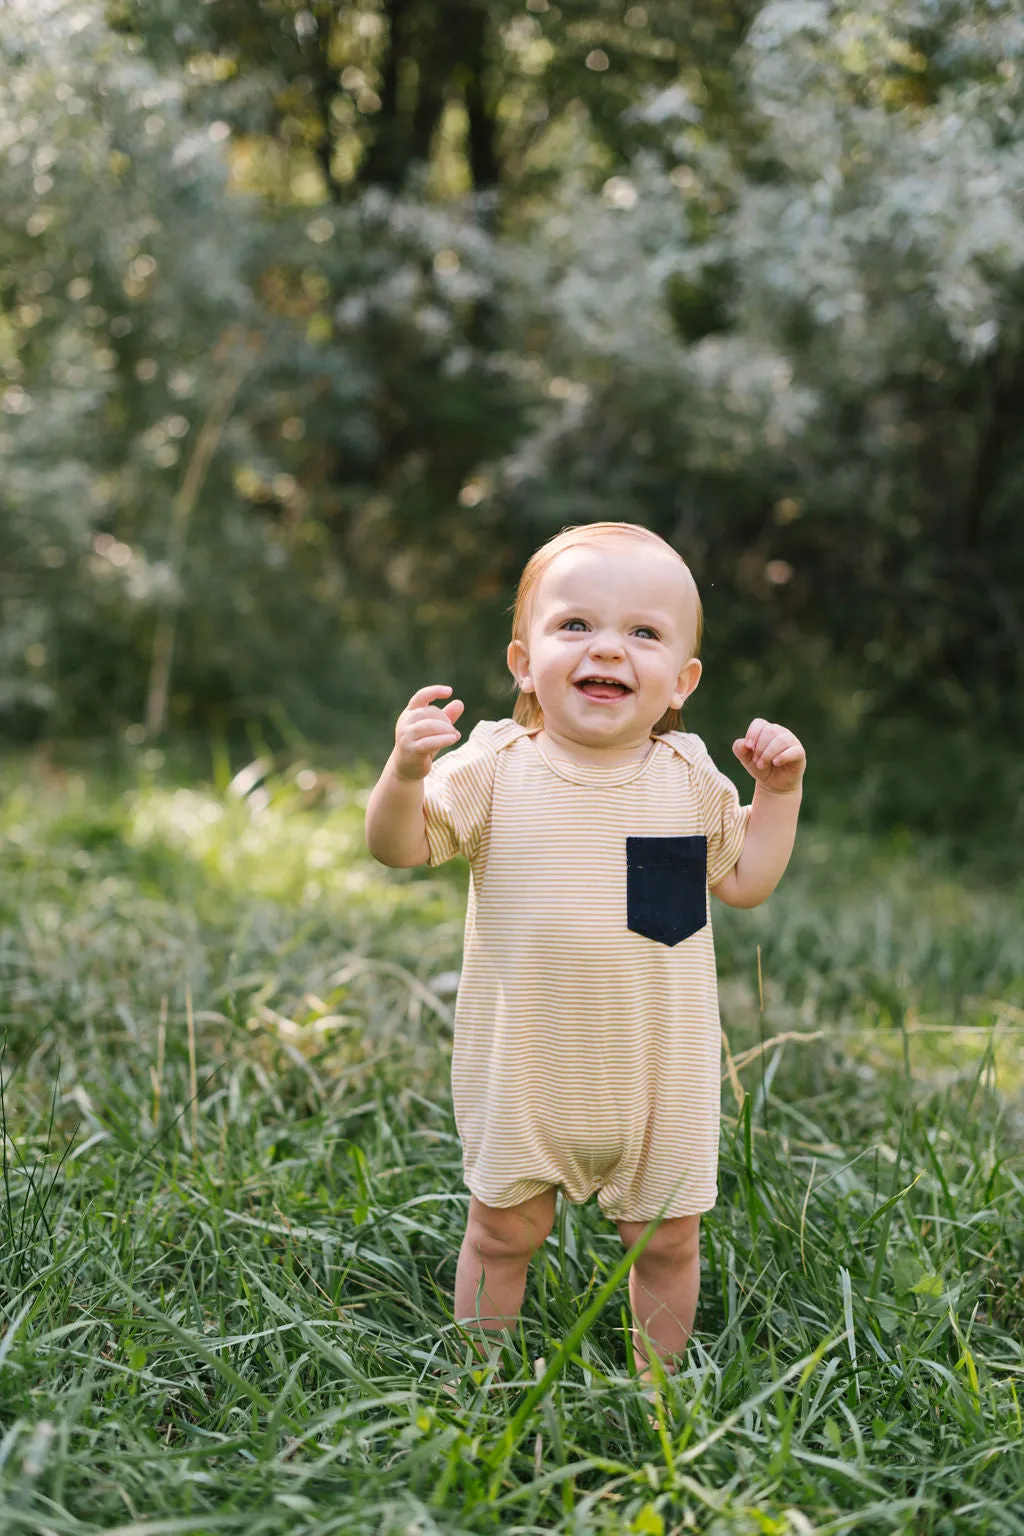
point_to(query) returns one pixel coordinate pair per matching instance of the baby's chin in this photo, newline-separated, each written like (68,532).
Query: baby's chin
(606,721)
(603,731)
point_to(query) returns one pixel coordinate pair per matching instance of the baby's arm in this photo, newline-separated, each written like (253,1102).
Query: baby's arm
(396,831)
(774,757)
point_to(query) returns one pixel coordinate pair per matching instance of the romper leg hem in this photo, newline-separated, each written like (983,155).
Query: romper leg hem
(520,1192)
(693,1208)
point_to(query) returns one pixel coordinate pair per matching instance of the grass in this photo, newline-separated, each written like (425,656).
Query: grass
(232,1201)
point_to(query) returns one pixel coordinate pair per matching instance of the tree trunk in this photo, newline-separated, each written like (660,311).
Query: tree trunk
(447,46)
(325,85)
(484,166)
(386,159)
(999,435)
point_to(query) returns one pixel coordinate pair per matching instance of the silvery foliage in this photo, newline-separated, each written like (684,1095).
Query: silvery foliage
(901,230)
(122,277)
(133,271)
(894,231)
(889,243)
(128,258)
(600,268)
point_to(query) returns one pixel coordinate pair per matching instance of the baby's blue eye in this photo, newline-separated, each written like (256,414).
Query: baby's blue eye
(574,624)
(645,629)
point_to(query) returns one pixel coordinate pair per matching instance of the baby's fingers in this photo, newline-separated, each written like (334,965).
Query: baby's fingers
(755,733)
(417,742)
(425,750)
(793,754)
(768,751)
(420,714)
(427,695)
(435,727)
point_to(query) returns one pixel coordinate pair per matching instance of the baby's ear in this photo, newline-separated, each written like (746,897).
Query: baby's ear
(686,682)
(519,665)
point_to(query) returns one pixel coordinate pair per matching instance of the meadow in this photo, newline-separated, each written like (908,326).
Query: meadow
(232,1198)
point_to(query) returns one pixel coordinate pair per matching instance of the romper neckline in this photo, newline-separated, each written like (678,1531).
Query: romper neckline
(596,775)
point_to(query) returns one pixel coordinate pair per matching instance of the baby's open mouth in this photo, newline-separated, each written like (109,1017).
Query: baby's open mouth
(603,688)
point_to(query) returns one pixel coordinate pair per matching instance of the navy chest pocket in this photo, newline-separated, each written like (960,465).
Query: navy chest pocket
(666,887)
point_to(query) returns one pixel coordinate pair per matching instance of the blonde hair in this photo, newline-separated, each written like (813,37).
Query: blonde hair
(527,711)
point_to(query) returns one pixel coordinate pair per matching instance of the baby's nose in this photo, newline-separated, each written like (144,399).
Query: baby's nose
(606,643)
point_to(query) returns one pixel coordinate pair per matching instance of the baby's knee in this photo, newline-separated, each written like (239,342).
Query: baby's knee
(675,1242)
(512,1232)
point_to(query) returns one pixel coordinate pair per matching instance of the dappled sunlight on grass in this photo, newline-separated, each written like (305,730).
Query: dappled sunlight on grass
(269,843)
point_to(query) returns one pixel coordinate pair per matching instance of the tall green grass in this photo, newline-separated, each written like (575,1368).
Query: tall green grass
(232,1202)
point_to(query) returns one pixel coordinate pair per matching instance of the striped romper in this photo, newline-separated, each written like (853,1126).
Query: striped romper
(587,1042)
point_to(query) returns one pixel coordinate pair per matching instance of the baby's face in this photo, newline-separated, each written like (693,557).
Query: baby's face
(609,644)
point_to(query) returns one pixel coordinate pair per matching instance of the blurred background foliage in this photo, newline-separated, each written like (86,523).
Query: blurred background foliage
(315,318)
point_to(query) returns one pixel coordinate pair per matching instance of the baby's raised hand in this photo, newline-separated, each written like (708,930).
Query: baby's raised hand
(423,729)
(772,755)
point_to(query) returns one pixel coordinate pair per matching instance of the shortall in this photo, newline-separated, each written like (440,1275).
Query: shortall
(587,1042)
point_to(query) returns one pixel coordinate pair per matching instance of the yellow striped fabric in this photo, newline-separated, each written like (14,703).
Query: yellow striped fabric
(586,1055)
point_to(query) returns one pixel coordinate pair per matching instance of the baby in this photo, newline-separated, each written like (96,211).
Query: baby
(587,1041)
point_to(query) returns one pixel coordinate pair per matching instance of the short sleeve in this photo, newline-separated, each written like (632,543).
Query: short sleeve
(457,796)
(723,818)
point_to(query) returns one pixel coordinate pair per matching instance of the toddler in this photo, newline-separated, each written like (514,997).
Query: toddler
(587,1041)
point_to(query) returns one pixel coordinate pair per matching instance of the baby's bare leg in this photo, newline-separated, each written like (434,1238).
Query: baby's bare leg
(663,1287)
(498,1247)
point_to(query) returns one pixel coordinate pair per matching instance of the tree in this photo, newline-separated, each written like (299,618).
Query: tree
(748,273)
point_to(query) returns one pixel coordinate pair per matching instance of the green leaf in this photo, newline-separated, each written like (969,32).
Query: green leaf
(648,1522)
(906,1272)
